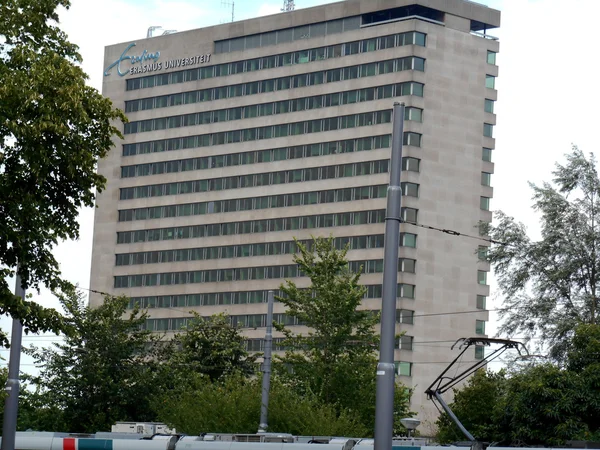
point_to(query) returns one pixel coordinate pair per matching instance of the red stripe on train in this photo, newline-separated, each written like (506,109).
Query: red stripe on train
(69,444)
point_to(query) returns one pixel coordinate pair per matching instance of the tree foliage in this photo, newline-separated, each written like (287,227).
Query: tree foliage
(102,373)
(551,285)
(232,405)
(336,359)
(212,347)
(53,130)
(540,405)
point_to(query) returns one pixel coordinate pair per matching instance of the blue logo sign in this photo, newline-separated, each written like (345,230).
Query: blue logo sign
(135,59)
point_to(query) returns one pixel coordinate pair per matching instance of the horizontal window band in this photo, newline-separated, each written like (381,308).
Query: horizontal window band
(257,156)
(263,226)
(404,316)
(255,180)
(249,250)
(281,60)
(372,291)
(245,274)
(276,108)
(261,133)
(277,84)
(271,201)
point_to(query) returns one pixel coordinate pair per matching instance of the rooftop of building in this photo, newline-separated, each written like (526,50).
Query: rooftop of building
(373,12)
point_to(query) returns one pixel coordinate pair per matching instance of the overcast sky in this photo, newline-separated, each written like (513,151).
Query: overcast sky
(546,101)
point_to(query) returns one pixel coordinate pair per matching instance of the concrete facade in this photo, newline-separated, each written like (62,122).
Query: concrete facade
(450,181)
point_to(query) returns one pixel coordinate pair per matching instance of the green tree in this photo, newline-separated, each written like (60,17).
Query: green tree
(551,285)
(543,404)
(210,346)
(478,405)
(336,360)
(102,373)
(232,405)
(53,130)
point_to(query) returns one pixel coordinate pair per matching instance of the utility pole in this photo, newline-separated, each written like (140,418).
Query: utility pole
(266,381)
(11,404)
(386,377)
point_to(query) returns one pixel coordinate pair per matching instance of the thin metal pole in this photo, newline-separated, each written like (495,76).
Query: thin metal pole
(266,381)
(11,405)
(453,416)
(384,406)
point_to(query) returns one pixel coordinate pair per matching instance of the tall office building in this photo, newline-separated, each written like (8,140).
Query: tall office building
(245,135)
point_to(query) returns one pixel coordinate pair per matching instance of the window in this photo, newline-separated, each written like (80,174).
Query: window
(484,203)
(407,265)
(414,114)
(405,343)
(486,179)
(481,301)
(479,352)
(480,327)
(410,189)
(406,291)
(482,277)
(405,316)
(413,139)
(410,164)
(489,106)
(408,240)
(404,368)
(482,252)
(409,215)
(491,57)
(486,154)
(488,130)
(490,81)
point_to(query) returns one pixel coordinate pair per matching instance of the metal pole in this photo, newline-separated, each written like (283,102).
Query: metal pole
(453,416)
(384,403)
(266,381)
(11,405)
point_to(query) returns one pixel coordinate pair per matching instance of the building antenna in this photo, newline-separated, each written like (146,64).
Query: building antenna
(288,5)
(232,4)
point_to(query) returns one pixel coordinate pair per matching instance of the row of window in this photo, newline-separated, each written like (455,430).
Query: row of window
(257,156)
(258,345)
(283,107)
(265,202)
(268,132)
(262,226)
(281,60)
(277,84)
(247,250)
(404,316)
(245,274)
(288,35)
(242,297)
(254,180)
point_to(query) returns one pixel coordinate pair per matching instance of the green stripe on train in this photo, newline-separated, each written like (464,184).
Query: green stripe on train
(94,444)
